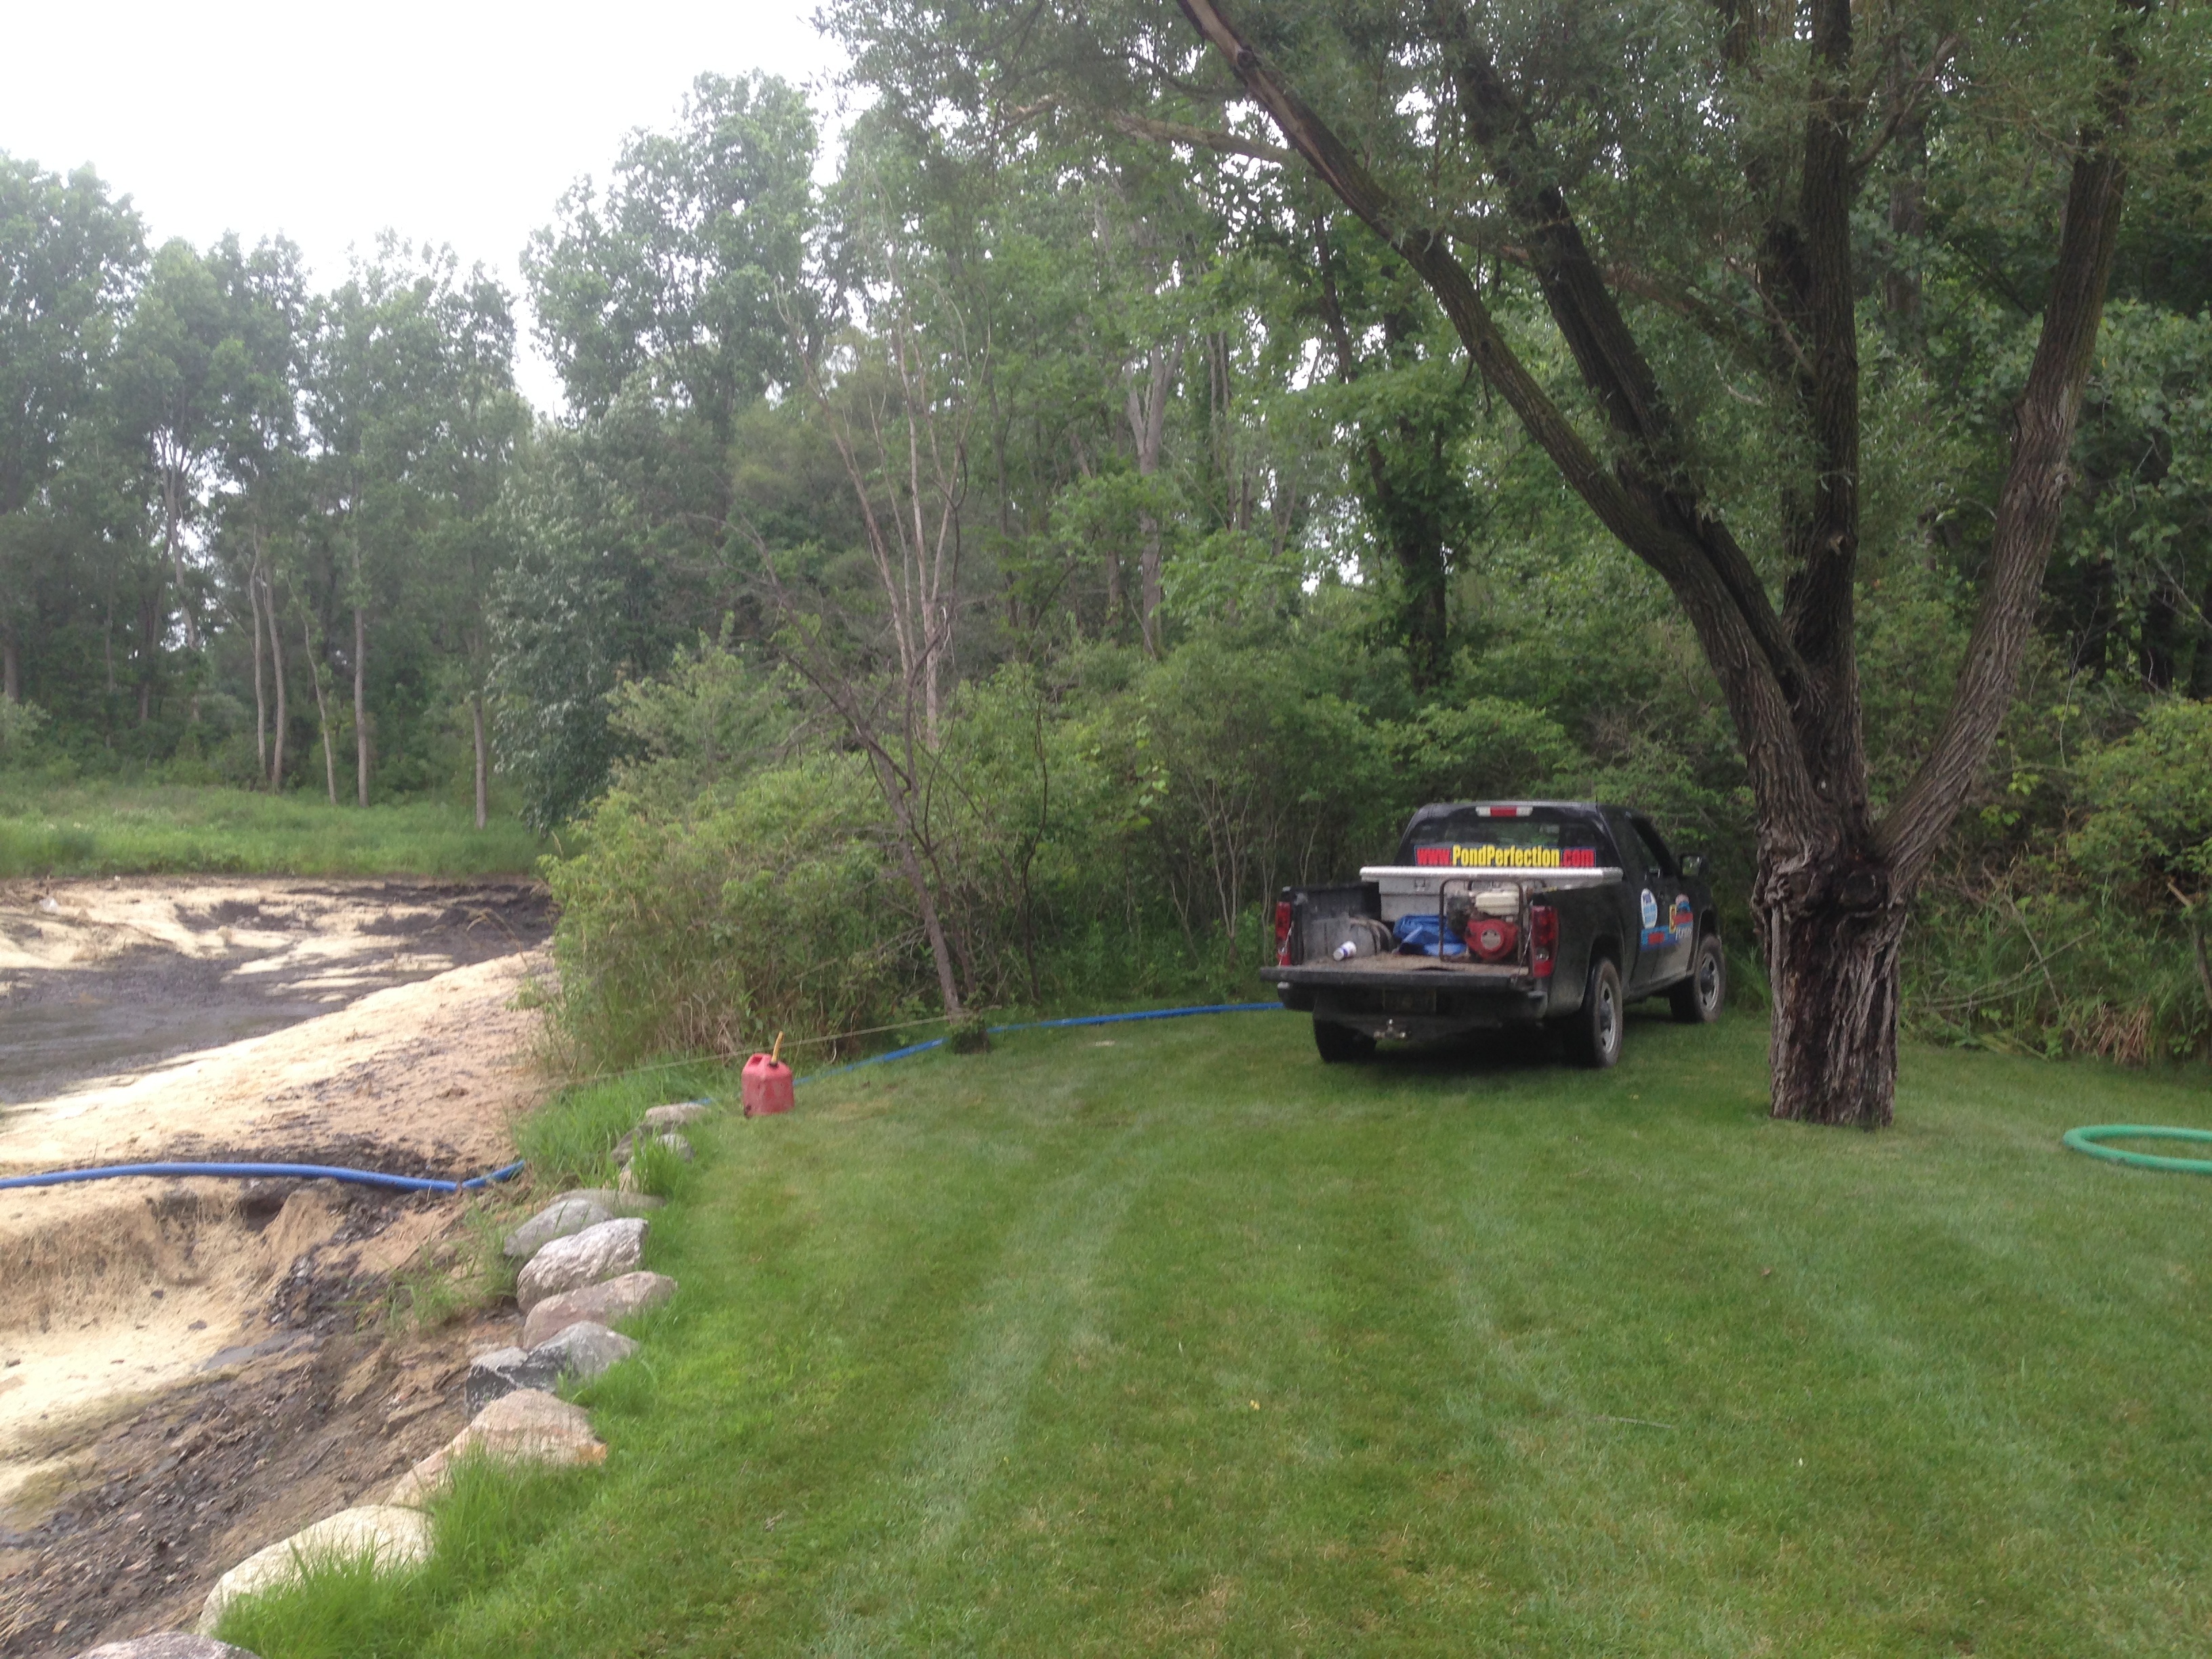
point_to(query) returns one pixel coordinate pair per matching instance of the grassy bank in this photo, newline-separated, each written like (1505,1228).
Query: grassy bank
(1168,1339)
(105,828)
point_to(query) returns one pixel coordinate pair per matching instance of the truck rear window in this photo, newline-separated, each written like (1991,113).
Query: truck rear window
(1463,841)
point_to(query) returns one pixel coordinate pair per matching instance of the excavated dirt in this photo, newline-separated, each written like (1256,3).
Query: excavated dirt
(106,978)
(192,1368)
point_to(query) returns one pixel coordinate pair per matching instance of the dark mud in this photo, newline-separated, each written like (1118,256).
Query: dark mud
(317,1412)
(146,1005)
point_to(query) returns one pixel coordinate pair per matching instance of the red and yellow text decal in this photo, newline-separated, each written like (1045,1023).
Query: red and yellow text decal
(1507,857)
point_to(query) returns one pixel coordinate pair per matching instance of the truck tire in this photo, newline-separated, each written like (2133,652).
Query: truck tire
(1341,1044)
(1697,1001)
(1594,1033)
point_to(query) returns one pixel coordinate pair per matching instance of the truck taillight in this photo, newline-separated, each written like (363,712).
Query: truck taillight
(1282,933)
(1543,938)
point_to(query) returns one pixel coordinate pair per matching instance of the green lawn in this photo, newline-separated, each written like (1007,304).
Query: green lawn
(1164,1338)
(112,829)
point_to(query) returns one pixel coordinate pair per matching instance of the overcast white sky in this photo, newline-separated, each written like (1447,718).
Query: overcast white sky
(459,121)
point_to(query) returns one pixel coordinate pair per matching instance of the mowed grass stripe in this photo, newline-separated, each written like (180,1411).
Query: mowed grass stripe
(1175,1341)
(1042,1290)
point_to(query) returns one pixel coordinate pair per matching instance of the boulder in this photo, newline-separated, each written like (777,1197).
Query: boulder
(675,1116)
(617,1200)
(576,1355)
(394,1538)
(500,1372)
(626,1148)
(606,1251)
(601,1304)
(584,1351)
(569,1213)
(527,1426)
(169,1645)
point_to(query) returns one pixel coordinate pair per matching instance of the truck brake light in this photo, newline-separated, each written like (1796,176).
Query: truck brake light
(1282,933)
(1543,938)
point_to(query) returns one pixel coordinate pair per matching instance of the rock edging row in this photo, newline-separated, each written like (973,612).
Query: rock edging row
(582,1258)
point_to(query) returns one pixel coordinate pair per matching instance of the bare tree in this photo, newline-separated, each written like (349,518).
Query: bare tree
(900,417)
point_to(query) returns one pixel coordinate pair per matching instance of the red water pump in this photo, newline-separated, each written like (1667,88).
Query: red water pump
(1492,939)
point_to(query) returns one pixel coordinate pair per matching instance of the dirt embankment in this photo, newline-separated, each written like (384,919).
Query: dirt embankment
(191,1369)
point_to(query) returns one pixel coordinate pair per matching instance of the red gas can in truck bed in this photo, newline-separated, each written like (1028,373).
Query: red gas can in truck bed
(767,1086)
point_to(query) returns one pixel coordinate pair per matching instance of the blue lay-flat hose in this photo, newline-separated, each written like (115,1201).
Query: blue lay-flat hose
(254,1171)
(1047,1026)
(431,1184)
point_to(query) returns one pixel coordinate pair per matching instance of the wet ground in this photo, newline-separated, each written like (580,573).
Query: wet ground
(99,980)
(190,1370)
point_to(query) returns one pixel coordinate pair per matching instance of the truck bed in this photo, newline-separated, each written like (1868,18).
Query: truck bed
(1428,973)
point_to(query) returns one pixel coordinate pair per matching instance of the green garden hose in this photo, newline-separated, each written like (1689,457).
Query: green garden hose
(2086,1140)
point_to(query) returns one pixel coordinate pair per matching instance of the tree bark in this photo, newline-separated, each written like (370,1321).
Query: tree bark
(322,714)
(260,695)
(483,770)
(361,704)
(276,665)
(1148,414)
(896,796)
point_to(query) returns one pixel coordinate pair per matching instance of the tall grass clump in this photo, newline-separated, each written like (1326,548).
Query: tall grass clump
(570,1140)
(483,1524)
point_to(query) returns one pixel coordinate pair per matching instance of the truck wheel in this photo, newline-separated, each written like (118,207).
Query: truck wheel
(1340,1043)
(1697,1001)
(1595,1033)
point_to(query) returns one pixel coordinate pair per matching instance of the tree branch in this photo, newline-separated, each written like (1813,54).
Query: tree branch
(1166,132)
(2027,511)
(1908,104)
(1722,596)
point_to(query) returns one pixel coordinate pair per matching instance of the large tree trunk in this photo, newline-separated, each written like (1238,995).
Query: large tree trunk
(484,769)
(361,704)
(1832,937)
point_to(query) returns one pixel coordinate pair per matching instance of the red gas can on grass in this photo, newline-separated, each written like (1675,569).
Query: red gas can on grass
(767,1086)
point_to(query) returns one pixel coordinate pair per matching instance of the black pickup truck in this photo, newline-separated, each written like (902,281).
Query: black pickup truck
(1504,913)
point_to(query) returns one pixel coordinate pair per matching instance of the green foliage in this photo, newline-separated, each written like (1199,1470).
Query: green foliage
(706,926)
(1485,749)
(19,731)
(2149,801)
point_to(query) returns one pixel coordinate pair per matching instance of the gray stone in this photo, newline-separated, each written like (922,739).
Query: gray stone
(626,1148)
(392,1538)
(577,1354)
(584,1351)
(676,1115)
(569,1213)
(501,1372)
(527,1426)
(169,1645)
(617,1201)
(591,1257)
(599,1304)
